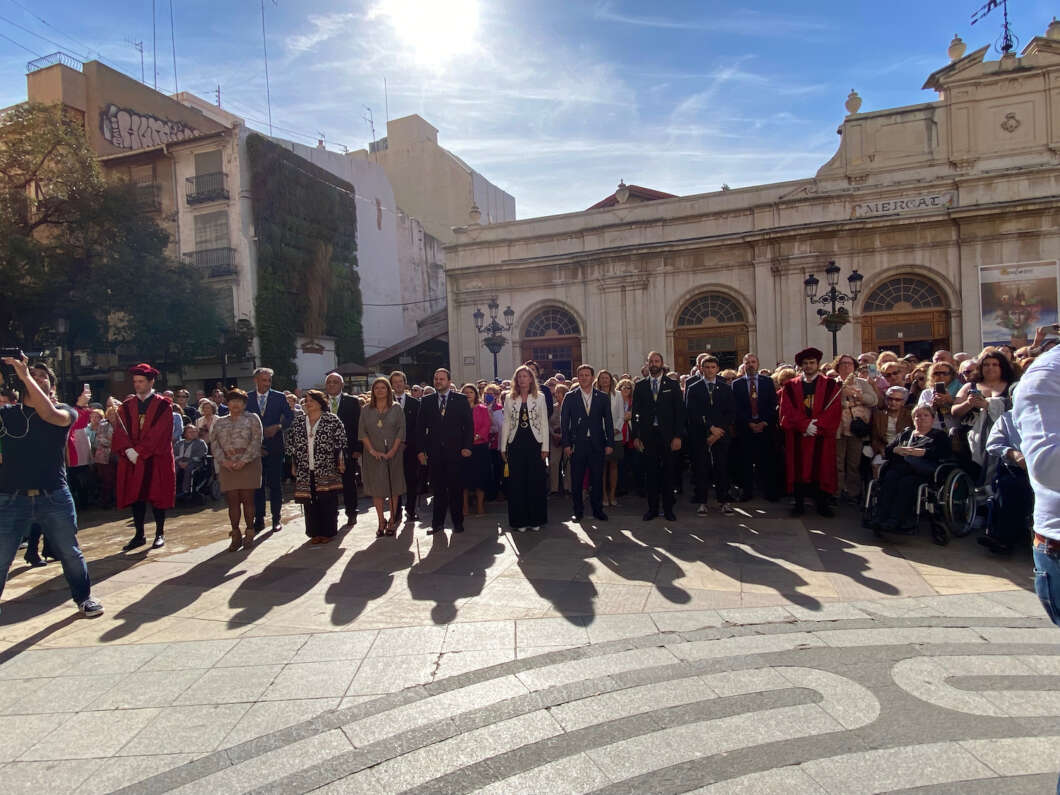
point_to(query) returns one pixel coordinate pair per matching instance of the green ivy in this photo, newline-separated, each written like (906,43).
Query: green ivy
(299,210)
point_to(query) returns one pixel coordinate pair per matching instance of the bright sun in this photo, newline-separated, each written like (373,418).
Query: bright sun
(435,30)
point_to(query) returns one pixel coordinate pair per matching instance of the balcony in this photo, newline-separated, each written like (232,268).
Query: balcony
(204,188)
(213,262)
(148,196)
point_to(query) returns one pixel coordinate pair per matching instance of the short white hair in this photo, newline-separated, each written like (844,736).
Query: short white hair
(266,370)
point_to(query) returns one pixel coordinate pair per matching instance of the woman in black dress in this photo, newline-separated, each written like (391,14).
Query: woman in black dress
(524,445)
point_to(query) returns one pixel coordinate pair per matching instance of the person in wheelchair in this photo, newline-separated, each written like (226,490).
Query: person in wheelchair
(1012,504)
(189,455)
(910,460)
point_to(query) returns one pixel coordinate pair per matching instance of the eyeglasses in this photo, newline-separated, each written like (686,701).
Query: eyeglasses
(895,400)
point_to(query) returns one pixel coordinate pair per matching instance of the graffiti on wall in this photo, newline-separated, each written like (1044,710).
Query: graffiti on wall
(127,129)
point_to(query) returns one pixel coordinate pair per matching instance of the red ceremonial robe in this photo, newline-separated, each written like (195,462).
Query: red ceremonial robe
(152,477)
(811,459)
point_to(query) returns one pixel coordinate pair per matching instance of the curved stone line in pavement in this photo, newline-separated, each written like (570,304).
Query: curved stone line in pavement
(900,768)
(662,736)
(925,678)
(574,669)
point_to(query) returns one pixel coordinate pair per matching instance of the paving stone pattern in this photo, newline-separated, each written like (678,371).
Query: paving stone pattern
(538,664)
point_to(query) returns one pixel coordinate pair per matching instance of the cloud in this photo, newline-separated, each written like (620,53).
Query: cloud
(323,27)
(740,21)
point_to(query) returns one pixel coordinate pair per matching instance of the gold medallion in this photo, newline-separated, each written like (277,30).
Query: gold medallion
(379,423)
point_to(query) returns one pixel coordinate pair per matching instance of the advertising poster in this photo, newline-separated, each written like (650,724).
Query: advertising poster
(1017,299)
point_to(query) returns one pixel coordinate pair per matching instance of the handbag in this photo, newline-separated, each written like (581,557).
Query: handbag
(859,427)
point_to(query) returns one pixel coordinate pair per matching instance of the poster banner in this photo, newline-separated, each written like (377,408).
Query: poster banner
(1016,299)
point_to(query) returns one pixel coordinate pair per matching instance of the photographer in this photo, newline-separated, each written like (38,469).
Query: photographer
(33,484)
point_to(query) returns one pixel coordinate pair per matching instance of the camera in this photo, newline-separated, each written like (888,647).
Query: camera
(8,379)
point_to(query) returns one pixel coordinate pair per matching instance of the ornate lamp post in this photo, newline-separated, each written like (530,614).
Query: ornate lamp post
(837,315)
(492,336)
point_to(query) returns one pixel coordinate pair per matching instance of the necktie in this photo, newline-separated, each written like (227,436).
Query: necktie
(752,382)
(655,388)
(335,405)
(710,392)
(441,403)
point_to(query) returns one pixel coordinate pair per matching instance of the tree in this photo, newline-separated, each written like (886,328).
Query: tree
(71,246)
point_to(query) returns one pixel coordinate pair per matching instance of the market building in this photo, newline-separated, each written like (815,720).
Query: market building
(949,210)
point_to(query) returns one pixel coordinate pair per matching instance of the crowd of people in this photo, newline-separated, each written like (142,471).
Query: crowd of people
(814,430)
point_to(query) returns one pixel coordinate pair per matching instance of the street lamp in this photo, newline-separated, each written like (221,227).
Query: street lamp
(62,326)
(222,347)
(837,316)
(492,337)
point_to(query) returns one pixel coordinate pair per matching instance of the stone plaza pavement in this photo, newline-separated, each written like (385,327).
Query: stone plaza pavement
(753,653)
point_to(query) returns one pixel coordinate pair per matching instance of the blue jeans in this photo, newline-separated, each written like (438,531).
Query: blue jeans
(54,511)
(1047,581)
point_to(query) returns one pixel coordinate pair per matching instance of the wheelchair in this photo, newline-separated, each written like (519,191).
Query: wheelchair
(205,485)
(949,502)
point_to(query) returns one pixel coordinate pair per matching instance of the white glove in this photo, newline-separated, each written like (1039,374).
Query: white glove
(811,429)
(132,455)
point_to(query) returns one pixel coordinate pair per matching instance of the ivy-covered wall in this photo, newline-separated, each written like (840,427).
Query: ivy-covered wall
(305,221)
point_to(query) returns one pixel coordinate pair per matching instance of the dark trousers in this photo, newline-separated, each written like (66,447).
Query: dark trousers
(713,469)
(586,457)
(321,512)
(527,485)
(1013,505)
(349,489)
(660,465)
(412,483)
(447,485)
(756,456)
(140,515)
(898,488)
(272,480)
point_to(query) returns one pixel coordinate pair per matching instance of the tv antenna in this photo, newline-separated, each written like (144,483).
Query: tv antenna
(139,47)
(371,123)
(1007,41)
(265,51)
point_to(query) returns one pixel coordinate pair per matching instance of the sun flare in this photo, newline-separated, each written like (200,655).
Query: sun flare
(434,30)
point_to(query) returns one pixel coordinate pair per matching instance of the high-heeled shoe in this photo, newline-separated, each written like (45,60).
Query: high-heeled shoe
(248,539)
(237,541)
(382,529)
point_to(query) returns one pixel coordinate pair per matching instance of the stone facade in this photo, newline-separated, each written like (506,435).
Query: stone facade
(916,199)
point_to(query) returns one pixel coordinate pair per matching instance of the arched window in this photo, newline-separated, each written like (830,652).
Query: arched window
(710,308)
(552,322)
(904,293)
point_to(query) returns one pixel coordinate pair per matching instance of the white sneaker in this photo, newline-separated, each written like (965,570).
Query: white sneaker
(701,510)
(536,528)
(90,608)
(727,509)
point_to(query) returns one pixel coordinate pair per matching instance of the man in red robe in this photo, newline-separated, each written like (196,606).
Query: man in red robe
(143,442)
(810,414)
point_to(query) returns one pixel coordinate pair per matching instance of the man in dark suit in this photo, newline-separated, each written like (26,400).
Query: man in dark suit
(588,437)
(694,376)
(411,407)
(755,443)
(657,428)
(348,409)
(711,413)
(446,432)
(276,415)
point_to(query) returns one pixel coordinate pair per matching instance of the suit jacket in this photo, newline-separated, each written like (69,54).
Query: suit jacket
(350,414)
(669,409)
(704,409)
(596,427)
(444,437)
(277,412)
(767,401)
(412,416)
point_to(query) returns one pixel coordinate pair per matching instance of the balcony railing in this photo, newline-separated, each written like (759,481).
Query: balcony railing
(206,188)
(214,262)
(148,196)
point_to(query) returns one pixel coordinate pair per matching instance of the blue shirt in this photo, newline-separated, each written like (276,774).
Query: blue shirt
(1036,412)
(1004,436)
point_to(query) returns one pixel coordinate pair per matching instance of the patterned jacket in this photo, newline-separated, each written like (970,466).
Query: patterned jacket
(329,444)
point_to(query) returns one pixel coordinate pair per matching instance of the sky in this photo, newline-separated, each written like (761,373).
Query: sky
(554,101)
